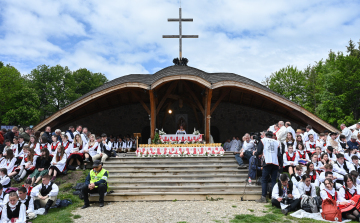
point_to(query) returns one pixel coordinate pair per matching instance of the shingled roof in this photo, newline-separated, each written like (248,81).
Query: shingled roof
(149,79)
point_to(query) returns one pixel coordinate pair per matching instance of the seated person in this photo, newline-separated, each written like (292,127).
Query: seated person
(318,166)
(27,185)
(337,177)
(346,192)
(96,182)
(301,154)
(41,167)
(45,194)
(248,148)
(329,175)
(310,145)
(353,144)
(14,210)
(305,187)
(53,146)
(330,153)
(341,166)
(290,160)
(2,195)
(329,192)
(314,176)
(355,162)
(296,177)
(325,159)
(104,150)
(255,167)
(58,162)
(28,164)
(9,161)
(91,149)
(285,192)
(23,198)
(77,152)
(317,152)
(4,179)
(349,153)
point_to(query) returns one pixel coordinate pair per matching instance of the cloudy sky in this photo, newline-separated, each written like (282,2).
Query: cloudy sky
(250,38)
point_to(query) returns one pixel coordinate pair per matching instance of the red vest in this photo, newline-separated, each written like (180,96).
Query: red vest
(348,195)
(330,196)
(312,178)
(302,156)
(53,148)
(41,147)
(67,145)
(290,158)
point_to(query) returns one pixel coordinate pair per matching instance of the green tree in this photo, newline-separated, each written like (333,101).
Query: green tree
(289,82)
(87,81)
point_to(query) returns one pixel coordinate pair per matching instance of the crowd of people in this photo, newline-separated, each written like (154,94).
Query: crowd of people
(39,157)
(303,163)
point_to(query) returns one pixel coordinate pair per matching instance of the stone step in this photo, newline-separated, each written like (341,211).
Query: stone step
(186,165)
(191,171)
(178,182)
(173,168)
(198,188)
(183,159)
(178,196)
(223,177)
(166,161)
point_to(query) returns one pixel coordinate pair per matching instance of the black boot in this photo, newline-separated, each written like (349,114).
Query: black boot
(47,206)
(37,204)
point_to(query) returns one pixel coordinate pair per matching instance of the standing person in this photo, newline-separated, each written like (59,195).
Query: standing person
(48,134)
(290,129)
(96,182)
(70,133)
(14,210)
(309,130)
(227,145)
(105,150)
(234,145)
(84,136)
(41,167)
(58,162)
(346,132)
(26,134)
(268,148)
(281,133)
(45,194)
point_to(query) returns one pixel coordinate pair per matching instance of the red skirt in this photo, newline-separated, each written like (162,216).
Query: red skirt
(349,207)
(76,154)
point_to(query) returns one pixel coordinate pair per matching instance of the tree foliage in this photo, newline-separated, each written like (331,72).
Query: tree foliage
(330,88)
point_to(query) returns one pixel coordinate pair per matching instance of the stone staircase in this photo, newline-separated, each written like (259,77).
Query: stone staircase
(177,178)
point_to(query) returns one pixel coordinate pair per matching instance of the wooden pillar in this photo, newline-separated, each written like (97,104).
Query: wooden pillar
(152,114)
(207,114)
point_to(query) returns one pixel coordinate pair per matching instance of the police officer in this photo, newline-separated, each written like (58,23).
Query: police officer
(96,182)
(268,148)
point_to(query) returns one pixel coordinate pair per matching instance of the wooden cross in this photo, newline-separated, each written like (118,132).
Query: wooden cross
(180,36)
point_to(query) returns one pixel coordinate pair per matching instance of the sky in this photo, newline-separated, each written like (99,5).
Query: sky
(116,38)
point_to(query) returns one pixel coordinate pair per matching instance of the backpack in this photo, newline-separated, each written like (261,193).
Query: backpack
(308,204)
(330,211)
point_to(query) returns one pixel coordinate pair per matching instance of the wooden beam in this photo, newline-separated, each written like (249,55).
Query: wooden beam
(152,114)
(222,96)
(141,101)
(194,97)
(168,92)
(207,113)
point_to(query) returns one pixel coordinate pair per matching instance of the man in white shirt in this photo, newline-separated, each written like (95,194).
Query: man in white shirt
(78,130)
(346,132)
(341,166)
(281,133)
(336,176)
(356,130)
(309,130)
(246,151)
(45,194)
(234,145)
(310,145)
(23,198)
(70,133)
(84,135)
(290,129)
(227,145)
(285,192)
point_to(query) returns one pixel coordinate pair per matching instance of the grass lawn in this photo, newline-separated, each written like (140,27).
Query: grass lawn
(272,215)
(65,184)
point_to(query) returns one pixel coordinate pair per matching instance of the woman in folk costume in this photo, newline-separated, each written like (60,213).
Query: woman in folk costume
(54,145)
(290,161)
(349,153)
(302,155)
(330,193)
(314,176)
(289,141)
(318,166)
(349,194)
(28,164)
(334,143)
(41,167)
(77,153)
(33,144)
(343,143)
(14,210)
(58,162)
(44,144)
(325,159)
(9,161)
(298,140)
(21,165)
(306,187)
(92,149)
(66,144)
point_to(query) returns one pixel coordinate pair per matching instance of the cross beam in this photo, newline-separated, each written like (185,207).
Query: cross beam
(180,36)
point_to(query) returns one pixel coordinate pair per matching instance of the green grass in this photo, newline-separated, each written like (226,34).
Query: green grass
(234,206)
(60,215)
(251,210)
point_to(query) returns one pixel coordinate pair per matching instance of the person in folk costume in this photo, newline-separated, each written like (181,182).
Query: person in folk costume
(34,144)
(78,130)
(21,165)
(306,188)
(69,133)
(346,132)
(28,165)
(19,149)
(77,153)
(321,142)
(331,154)
(285,190)
(84,135)
(355,162)
(290,160)
(299,138)
(302,154)
(296,177)
(23,198)
(14,146)
(58,163)
(114,146)
(9,161)
(349,194)
(309,131)
(349,153)
(120,145)
(41,167)
(343,143)
(310,145)
(45,194)
(341,166)
(27,185)
(330,175)
(92,148)
(66,144)
(334,143)
(317,152)
(2,196)
(7,147)
(290,141)
(268,148)
(104,150)
(311,172)
(44,144)
(14,210)
(4,179)
(318,166)
(53,146)
(325,159)
(336,176)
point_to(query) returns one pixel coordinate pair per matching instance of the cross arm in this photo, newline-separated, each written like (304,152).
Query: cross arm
(182,36)
(182,20)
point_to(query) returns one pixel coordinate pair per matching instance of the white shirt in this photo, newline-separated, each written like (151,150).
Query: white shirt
(69,137)
(338,176)
(234,146)
(303,188)
(22,213)
(31,202)
(290,163)
(337,186)
(347,133)
(324,195)
(84,138)
(53,193)
(308,144)
(320,143)
(248,146)
(354,191)
(306,135)
(339,168)
(270,150)
(275,192)
(290,129)
(281,134)
(294,180)
(227,146)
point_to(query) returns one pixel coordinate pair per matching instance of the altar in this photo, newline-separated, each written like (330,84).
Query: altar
(168,138)
(179,150)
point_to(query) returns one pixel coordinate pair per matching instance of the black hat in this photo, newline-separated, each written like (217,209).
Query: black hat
(96,163)
(332,133)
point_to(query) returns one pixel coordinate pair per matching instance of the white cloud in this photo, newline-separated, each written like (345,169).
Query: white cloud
(250,38)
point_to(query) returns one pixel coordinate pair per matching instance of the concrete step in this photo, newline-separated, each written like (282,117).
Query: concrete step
(120,172)
(166,161)
(212,188)
(182,159)
(178,177)
(172,182)
(170,164)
